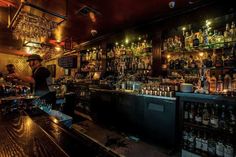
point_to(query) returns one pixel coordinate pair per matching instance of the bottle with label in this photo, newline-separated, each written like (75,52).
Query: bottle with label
(228,148)
(219,86)
(219,148)
(198,117)
(232,120)
(211,146)
(219,61)
(227,35)
(205,143)
(205,115)
(191,139)
(195,41)
(185,138)
(234,82)
(220,40)
(198,142)
(214,120)
(200,37)
(213,84)
(227,82)
(222,119)
(186,111)
(233,32)
(192,113)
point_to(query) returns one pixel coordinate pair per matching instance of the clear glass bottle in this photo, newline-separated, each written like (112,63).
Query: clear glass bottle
(234,82)
(198,142)
(227,35)
(213,84)
(205,143)
(211,146)
(227,82)
(233,31)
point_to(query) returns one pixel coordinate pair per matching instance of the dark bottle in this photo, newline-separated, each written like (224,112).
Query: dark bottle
(205,115)
(214,119)
(191,139)
(198,142)
(212,146)
(222,120)
(186,111)
(198,117)
(195,41)
(192,113)
(185,138)
(219,61)
(232,121)
(205,143)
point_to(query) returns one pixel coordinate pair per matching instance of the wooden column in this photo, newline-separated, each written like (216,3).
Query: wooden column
(156,54)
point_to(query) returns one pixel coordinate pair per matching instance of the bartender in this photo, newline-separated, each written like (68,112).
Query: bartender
(40,78)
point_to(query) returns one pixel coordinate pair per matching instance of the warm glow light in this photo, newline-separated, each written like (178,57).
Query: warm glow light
(208,23)
(55,120)
(201,54)
(57,48)
(139,38)
(168,56)
(127,41)
(117,43)
(184,28)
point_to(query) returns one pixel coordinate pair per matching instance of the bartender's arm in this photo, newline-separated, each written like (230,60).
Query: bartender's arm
(28,79)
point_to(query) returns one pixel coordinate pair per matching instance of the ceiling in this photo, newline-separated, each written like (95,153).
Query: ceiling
(109,16)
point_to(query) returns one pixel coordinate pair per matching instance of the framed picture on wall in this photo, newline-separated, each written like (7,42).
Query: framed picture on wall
(52,69)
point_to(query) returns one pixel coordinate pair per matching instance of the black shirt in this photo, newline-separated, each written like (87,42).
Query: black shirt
(40,76)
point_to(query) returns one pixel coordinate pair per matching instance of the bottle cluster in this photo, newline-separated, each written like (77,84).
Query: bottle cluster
(209,129)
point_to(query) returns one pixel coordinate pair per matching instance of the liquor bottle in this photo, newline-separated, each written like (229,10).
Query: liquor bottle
(219,148)
(219,40)
(200,37)
(213,84)
(191,139)
(228,148)
(198,117)
(186,111)
(227,35)
(211,146)
(192,113)
(205,143)
(191,38)
(195,41)
(186,41)
(214,120)
(198,142)
(185,138)
(222,119)
(219,61)
(219,86)
(232,120)
(227,82)
(205,115)
(214,38)
(233,31)
(205,37)
(234,82)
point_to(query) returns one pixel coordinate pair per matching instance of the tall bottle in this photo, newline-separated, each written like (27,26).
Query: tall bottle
(234,82)
(213,84)
(214,120)
(233,31)
(227,82)
(227,35)
(219,86)
(205,115)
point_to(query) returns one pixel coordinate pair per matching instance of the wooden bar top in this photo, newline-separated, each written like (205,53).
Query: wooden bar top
(20,136)
(35,133)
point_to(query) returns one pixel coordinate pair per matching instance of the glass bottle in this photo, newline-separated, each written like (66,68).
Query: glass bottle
(214,120)
(198,142)
(222,120)
(213,84)
(204,143)
(233,31)
(195,41)
(219,148)
(232,120)
(219,40)
(227,82)
(227,35)
(228,149)
(212,146)
(200,37)
(219,86)
(186,41)
(185,138)
(192,113)
(186,111)
(191,139)
(198,117)
(234,82)
(205,115)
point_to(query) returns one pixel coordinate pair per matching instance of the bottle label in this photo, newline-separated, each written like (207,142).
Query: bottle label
(219,149)
(198,119)
(204,145)
(198,143)
(214,122)
(185,114)
(228,151)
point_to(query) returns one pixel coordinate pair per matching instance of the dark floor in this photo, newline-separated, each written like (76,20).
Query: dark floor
(126,145)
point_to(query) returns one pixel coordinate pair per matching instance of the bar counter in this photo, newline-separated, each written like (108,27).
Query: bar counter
(35,133)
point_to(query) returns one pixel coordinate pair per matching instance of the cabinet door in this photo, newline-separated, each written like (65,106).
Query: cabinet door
(160,119)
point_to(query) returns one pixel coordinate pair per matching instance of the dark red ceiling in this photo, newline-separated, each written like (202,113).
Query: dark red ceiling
(114,15)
